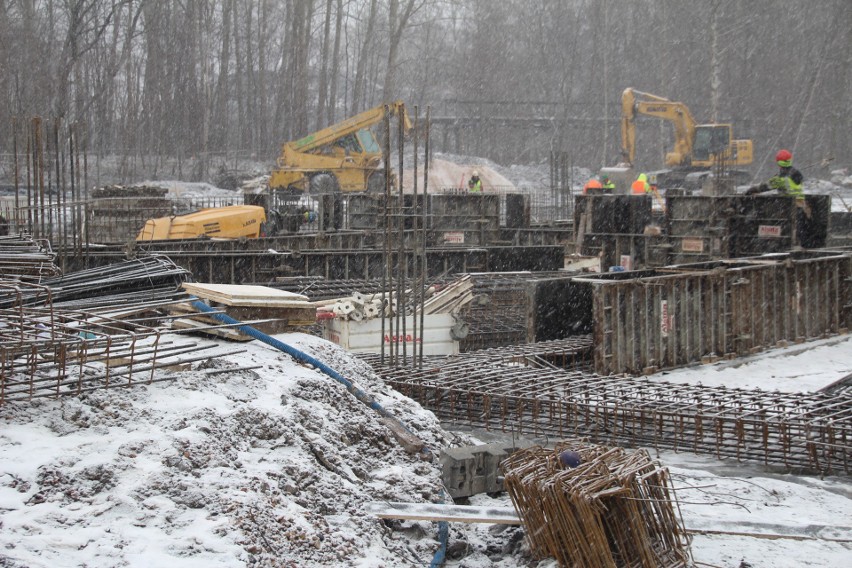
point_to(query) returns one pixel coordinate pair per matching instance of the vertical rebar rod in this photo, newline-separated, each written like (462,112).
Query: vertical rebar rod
(60,209)
(39,170)
(17,174)
(425,269)
(30,176)
(402,254)
(76,204)
(416,277)
(84,199)
(385,244)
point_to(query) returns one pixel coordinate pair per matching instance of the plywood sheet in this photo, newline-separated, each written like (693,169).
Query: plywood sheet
(246,295)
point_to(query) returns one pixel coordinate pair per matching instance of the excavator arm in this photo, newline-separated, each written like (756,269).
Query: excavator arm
(636,102)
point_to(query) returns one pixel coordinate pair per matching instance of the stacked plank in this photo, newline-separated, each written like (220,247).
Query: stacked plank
(269,310)
(439,300)
(450,298)
(595,506)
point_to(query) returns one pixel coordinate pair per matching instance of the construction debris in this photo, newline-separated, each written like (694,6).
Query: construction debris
(597,507)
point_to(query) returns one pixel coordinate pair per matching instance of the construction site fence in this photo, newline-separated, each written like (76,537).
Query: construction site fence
(644,321)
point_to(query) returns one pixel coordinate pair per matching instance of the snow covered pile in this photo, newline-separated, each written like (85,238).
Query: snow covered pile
(263,467)
(841,177)
(251,459)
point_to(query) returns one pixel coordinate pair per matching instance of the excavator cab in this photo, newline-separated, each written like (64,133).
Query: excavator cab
(710,140)
(368,141)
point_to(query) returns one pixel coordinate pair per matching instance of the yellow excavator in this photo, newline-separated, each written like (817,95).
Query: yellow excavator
(697,147)
(345,157)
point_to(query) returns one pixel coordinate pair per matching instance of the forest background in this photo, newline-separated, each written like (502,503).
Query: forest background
(218,81)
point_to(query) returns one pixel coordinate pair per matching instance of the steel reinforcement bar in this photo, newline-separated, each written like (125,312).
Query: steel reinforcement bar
(49,351)
(797,431)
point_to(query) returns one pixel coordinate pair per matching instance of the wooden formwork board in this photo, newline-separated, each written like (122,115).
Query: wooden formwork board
(662,321)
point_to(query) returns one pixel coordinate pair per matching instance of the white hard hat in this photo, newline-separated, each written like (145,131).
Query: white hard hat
(474,173)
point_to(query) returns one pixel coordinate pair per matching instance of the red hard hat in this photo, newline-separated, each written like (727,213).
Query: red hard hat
(783,156)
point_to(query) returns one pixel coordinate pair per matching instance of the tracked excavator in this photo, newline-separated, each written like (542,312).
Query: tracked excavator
(698,148)
(345,157)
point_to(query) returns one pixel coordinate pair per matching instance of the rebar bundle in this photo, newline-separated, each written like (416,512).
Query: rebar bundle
(137,275)
(599,508)
(804,431)
(23,258)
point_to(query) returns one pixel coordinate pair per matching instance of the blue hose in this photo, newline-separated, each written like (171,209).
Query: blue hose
(304,358)
(443,536)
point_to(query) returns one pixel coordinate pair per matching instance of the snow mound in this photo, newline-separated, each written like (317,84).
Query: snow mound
(261,467)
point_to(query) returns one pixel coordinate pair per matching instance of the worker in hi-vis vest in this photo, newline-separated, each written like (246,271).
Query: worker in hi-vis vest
(474,184)
(641,185)
(591,184)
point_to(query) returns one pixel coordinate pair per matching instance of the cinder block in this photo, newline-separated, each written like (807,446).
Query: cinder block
(471,470)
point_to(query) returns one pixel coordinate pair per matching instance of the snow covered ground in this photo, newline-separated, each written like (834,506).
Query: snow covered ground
(273,466)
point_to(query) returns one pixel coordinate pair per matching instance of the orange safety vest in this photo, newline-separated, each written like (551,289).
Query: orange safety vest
(640,187)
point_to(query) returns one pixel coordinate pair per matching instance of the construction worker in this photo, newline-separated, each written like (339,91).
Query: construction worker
(608,186)
(788,181)
(474,184)
(641,185)
(592,184)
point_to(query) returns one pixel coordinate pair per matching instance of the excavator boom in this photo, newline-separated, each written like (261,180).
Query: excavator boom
(652,105)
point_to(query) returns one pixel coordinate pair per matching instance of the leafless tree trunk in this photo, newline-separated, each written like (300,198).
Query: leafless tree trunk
(359,89)
(397,24)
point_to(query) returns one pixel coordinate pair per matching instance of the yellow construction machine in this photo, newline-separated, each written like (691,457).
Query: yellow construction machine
(345,157)
(697,147)
(231,222)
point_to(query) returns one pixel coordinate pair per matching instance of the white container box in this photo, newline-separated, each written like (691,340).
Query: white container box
(366,336)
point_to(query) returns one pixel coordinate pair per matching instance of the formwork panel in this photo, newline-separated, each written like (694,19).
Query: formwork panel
(761,225)
(474,219)
(697,226)
(669,320)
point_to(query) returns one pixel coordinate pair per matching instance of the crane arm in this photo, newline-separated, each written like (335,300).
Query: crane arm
(353,124)
(652,105)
